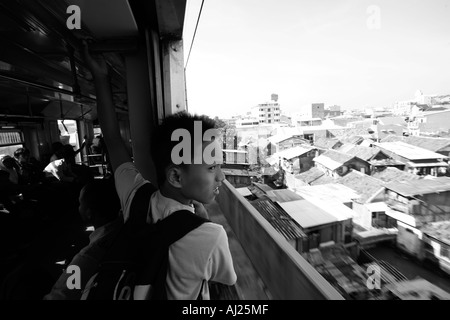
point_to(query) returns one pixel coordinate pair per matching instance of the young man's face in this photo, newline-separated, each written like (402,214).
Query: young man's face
(201,182)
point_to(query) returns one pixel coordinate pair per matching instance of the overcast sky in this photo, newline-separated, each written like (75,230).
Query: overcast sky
(352,53)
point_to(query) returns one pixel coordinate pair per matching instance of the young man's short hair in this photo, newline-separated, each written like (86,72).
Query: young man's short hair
(162,144)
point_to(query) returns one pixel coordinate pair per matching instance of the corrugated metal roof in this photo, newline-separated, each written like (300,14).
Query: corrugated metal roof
(418,187)
(429,143)
(327,162)
(331,205)
(279,219)
(333,159)
(409,151)
(387,162)
(262,186)
(307,214)
(345,147)
(288,154)
(335,191)
(393,174)
(427,164)
(283,195)
(244,191)
(284,135)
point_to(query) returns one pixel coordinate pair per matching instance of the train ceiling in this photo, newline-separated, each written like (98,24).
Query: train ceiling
(41,70)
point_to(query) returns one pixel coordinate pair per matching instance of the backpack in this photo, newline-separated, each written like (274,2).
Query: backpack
(135,266)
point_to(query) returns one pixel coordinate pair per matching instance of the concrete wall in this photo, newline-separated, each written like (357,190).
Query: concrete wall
(363,215)
(284,271)
(436,122)
(409,239)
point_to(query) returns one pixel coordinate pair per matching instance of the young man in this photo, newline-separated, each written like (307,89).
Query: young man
(203,254)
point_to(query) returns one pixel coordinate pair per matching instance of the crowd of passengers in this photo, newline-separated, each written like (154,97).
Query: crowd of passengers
(41,225)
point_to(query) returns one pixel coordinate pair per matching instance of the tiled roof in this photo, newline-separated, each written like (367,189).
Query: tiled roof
(322,180)
(326,143)
(363,184)
(393,174)
(310,175)
(364,153)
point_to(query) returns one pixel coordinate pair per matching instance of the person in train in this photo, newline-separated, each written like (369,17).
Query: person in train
(203,254)
(99,207)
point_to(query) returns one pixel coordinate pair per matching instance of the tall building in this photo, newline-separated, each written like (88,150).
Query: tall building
(268,112)
(318,110)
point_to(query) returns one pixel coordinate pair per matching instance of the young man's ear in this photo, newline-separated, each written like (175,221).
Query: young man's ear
(173,176)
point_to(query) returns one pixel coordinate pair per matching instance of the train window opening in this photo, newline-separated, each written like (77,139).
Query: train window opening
(68,134)
(10,141)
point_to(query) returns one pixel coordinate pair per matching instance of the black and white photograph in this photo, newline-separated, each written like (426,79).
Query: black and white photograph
(232,156)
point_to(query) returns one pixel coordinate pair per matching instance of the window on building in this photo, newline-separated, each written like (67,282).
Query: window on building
(445,251)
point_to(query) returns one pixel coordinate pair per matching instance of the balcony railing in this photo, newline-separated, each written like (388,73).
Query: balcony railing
(285,273)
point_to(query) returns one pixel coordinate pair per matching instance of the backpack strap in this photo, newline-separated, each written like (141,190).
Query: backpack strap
(167,231)
(177,225)
(140,205)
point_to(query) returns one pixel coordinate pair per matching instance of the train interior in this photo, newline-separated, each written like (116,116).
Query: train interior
(47,96)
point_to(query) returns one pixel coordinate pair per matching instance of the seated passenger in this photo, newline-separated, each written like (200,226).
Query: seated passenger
(9,165)
(99,207)
(29,169)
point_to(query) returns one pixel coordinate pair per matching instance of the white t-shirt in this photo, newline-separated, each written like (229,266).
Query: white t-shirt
(60,170)
(202,254)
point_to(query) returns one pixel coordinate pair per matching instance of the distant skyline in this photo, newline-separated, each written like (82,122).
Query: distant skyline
(353,53)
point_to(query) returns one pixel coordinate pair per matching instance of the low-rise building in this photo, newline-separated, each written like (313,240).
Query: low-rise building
(413,204)
(336,164)
(417,160)
(436,244)
(438,145)
(294,160)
